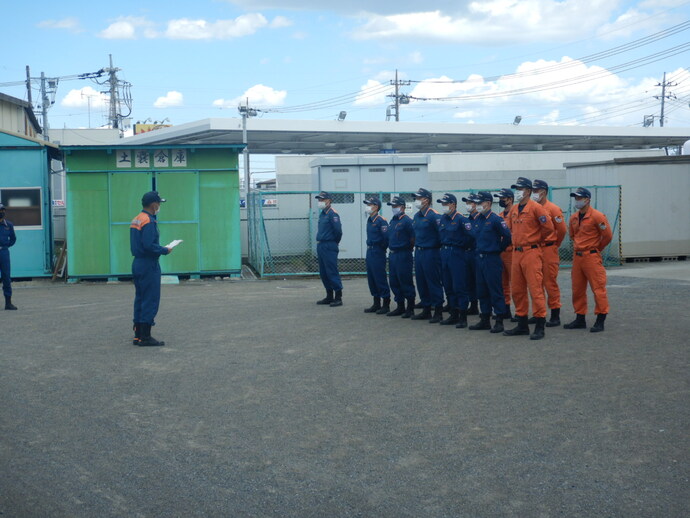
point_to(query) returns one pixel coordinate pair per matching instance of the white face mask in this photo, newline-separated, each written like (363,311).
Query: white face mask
(368,210)
(418,203)
(519,195)
(579,204)
(481,209)
(445,209)
(396,211)
(536,197)
(321,205)
(470,207)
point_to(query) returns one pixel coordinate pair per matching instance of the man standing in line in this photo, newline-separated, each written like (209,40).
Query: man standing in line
(427,258)
(7,239)
(550,248)
(401,244)
(144,241)
(328,236)
(455,235)
(529,226)
(591,233)
(492,237)
(377,243)
(471,270)
(505,201)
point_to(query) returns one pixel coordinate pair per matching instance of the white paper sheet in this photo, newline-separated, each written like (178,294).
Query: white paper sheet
(173,243)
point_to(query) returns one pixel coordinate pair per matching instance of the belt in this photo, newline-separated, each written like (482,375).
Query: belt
(400,250)
(426,247)
(375,247)
(484,254)
(580,254)
(448,247)
(522,248)
(549,243)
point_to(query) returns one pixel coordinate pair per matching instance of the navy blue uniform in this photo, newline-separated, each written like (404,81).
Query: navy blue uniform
(472,260)
(427,257)
(146,249)
(401,243)
(492,237)
(7,239)
(377,243)
(455,230)
(328,235)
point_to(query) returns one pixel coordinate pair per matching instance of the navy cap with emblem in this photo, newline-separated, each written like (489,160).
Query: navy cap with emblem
(505,193)
(151,197)
(448,198)
(2,207)
(471,198)
(540,184)
(422,193)
(373,201)
(581,192)
(522,183)
(323,195)
(483,196)
(397,201)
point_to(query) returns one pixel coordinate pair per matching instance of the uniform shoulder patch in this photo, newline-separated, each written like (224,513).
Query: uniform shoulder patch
(468,226)
(558,219)
(384,228)
(602,226)
(503,224)
(336,219)
(542,219)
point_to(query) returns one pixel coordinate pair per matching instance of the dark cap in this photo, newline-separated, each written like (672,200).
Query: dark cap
(522,183)
(540,184)
(483,196)
(323,195)
(373,201)
(505,193)
(2,207)
(581,192)
(448,198)
(151,197)
(471,198)
(397,201)
(422,193)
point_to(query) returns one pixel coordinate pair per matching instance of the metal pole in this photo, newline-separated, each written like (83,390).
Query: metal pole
(44,106)
(663,98)
(397,97)
(28,86)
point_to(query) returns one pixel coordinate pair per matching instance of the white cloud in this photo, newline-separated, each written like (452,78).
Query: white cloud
(171,99)
(128,28)
(69,24)
(279,22)
(373,93)
(260,96)
(83,98)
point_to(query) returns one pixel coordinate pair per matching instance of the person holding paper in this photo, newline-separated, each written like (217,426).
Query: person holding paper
(144,240)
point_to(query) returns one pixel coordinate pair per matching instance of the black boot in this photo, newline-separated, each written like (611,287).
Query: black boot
(498,325)
(438,315)
(453,317)
(327,300)
(578,323)
(409,312)
(462,319)
(375,306)
(446,308)
(146,339)
(484,323)
(418,305)
(521,329)
(474,308)
(555,319)
(424,315)
(532,320)
(338,300)
(399,310)
(8,303)
(538,329)
(137,333)
(386,307)
(598,326)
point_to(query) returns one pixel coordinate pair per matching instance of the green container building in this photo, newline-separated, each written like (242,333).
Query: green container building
(104,189)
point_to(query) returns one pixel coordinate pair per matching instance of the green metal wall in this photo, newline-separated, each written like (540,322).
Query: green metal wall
(202,209)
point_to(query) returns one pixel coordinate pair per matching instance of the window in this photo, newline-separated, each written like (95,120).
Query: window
(343,197)
(385,197)
(377,169)
(410,169)
(341,170)
(23,206)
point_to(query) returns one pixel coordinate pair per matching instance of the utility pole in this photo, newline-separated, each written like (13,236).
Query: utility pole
(44,106)
(113,115)
(28,85)
(663,97)
(246,112)
(398,98)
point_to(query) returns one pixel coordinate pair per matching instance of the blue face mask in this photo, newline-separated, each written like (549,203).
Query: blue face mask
(396,211)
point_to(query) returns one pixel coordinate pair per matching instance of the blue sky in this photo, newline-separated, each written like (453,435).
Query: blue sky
(467,60)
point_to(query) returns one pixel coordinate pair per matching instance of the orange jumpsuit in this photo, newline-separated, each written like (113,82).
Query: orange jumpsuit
(507,258)
(590,235)
(551,258)
(529,228)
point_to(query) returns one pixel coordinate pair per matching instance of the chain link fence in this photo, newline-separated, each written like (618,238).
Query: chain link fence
(282,227)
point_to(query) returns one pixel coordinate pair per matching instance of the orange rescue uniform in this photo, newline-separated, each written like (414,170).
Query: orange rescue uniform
(551,258)
(507,258)
(590,234)
(529,228)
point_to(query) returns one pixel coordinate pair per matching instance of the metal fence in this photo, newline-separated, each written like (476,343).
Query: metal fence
(282,227)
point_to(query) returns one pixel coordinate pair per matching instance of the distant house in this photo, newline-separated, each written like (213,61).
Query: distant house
(267,185)
(17,116)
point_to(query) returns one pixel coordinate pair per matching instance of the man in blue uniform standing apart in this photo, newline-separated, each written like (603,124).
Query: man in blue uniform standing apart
(144,241)
(401,244)
(377,243)
(427,258)
(7,239)
(328,235)
(471,207)
(492,237)
(455,237)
